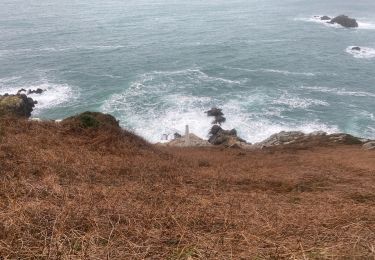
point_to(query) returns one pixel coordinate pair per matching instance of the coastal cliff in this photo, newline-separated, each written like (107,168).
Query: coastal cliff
(86,188)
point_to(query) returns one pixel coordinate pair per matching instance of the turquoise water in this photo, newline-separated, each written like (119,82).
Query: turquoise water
(158,65)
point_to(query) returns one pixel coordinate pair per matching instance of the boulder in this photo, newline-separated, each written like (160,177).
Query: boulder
(369,146)
(16,105)
(356,49)
(345,21)
(325,18)
(91,120)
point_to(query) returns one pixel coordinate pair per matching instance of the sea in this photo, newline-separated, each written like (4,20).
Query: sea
(158,65)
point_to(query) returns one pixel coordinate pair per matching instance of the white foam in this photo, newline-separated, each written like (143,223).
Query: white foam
(366,25)
(293,101)
(285,72)
(9,79)
(364,53)
(188,110)
(161,103)
(151,124)
(196,73)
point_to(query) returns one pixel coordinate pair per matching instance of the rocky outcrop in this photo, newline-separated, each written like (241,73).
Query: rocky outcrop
(369,146)
(325,18)
(345,21)
(228,138)
(31,91)
(91,120)
(16,105)
(316,138)
(219,136)
(281,138)
(356,48)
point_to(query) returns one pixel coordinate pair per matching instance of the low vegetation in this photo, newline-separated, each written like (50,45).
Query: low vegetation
(75,191)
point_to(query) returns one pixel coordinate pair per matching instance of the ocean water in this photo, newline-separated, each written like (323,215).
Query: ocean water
(157,65)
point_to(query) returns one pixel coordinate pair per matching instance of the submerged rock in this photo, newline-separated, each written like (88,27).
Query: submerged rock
(345,21)
(16,105)
(356,49)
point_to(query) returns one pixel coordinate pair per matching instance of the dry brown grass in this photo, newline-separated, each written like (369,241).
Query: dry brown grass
(70,193)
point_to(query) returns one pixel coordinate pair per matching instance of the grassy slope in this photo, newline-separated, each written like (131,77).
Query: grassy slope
(105,194)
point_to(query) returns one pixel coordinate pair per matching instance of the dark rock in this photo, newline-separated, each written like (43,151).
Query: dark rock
(215,129)
(219,120)
(325,18)
(177,136)
(214,112)
(16,105)
(227,138)
(345,21)
(21,90)
(356,48)
(36,91)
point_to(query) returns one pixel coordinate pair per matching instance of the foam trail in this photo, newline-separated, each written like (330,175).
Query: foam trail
(283,72)
(340,92)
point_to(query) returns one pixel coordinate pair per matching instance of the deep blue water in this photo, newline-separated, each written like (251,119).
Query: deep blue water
(158,65)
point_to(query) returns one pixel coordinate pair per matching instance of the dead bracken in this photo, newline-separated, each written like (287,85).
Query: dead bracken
(71,191)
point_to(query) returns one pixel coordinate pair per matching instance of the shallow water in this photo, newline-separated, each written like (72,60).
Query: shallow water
(158,65)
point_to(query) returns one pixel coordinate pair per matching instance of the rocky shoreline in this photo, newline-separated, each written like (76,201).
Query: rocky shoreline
(343,20)
(19,105)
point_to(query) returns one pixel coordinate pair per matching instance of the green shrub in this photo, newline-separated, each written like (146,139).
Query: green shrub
(88,120)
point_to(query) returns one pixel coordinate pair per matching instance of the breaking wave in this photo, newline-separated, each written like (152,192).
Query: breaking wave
(161,103)
(55,95)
